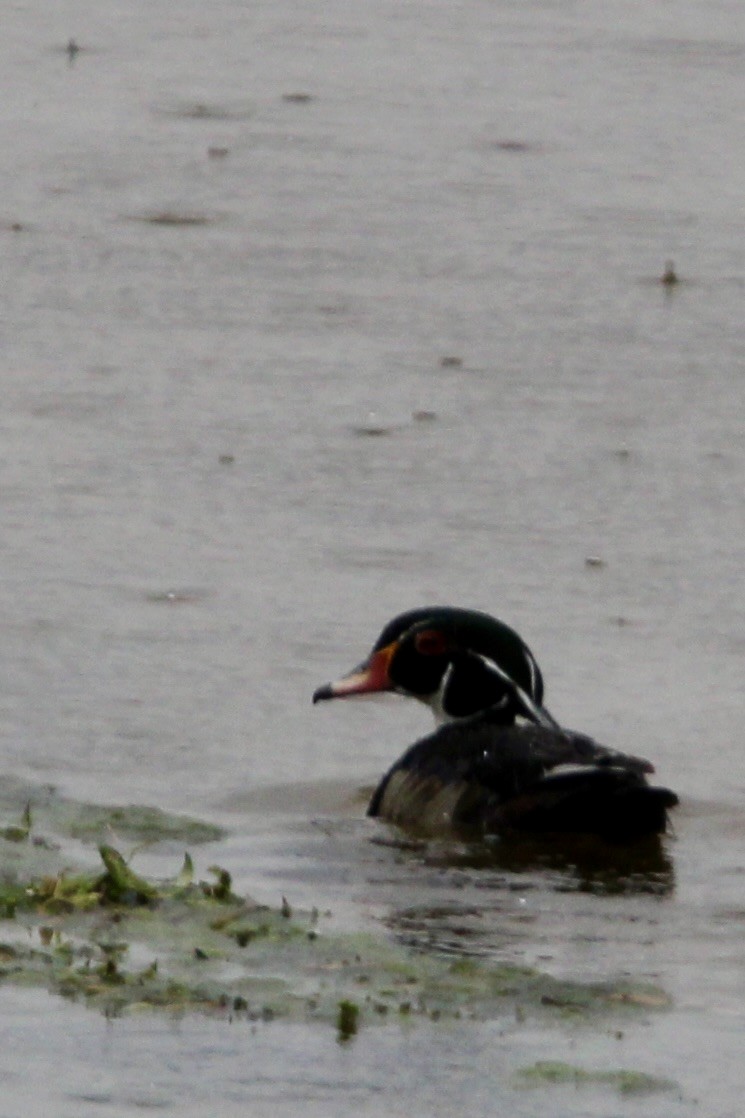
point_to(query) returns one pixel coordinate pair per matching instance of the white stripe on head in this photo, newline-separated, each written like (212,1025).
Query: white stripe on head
(435,701)
(530,707)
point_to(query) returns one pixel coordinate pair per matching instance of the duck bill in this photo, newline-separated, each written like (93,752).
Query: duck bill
(369,678)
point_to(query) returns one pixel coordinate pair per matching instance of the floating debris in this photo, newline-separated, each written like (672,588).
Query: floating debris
(174,597)
(669,276)
(517,147)
(594,561)
(347,1021)
(451,362)
(226,459)
(371,430)
(203,110)
(424,416)
(218,152)
(171,217)
(647,999)
(71,49)
(297,98)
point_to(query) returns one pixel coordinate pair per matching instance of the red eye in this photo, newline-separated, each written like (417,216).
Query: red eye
(430,643)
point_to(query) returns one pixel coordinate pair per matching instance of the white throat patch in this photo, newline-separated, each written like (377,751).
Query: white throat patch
(434,702)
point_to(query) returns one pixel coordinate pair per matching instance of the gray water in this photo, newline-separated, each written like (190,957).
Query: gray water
(314,313)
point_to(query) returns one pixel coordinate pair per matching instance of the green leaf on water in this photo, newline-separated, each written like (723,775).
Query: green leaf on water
(18,832)
(120,884)
(221,889)
(186,874)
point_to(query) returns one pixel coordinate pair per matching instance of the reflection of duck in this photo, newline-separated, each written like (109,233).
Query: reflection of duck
(481,770)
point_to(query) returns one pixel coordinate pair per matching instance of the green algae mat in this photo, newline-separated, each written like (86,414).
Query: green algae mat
(122,944)
(545,1073)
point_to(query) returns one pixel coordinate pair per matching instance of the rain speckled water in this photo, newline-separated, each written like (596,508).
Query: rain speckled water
(314,314)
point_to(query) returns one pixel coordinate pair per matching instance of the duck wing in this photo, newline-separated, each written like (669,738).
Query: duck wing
(478,775)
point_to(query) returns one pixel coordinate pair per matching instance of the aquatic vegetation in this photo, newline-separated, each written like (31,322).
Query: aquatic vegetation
(121,942)
(18,832)
(90,822)
(348,1020)
(209,949)
(50,811)
(547,1072)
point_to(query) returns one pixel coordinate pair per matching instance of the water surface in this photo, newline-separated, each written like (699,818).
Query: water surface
(311,316)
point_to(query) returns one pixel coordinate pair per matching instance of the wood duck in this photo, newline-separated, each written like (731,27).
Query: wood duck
(498,764)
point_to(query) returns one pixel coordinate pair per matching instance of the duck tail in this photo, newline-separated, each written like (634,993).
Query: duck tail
(616,804)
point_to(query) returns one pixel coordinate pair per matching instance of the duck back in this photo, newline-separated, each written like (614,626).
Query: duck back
(480,776)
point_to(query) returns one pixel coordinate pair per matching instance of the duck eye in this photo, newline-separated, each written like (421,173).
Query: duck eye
(430,643)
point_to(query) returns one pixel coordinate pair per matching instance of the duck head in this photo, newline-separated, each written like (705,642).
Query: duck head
(459,662)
